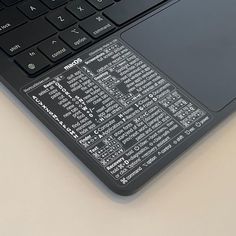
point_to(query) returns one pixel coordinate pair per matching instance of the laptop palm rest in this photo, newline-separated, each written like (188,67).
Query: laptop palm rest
(194,43)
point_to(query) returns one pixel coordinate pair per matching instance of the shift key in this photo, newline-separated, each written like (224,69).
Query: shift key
(26,36)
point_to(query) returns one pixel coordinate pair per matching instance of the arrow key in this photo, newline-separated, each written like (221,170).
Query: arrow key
(54,49)
(32,61)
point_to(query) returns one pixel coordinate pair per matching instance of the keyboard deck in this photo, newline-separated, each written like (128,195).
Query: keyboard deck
(38,34)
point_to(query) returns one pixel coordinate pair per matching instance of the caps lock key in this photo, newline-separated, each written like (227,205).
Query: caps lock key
(11,18)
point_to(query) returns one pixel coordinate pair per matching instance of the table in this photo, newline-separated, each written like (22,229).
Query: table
(46,191)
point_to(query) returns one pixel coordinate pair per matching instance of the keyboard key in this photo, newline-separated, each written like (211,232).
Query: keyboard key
(26,36)
(11,18)
(101,4)
(75,37)
(61,19)
(97,25)
(126,10)
(80,9)
(10,2)
(52,4)
(32,61)
(33,8)
(54,49)
(1,6)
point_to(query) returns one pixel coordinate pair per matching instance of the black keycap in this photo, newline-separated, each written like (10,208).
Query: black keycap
(61,19)
(1,6)
(101,4)
(33,8)
(97,25)
(54,49)
(52,4)
(126,10)
(11,18)
(26,36)
(80,9)
(75,37)
(10,2)
(32,61)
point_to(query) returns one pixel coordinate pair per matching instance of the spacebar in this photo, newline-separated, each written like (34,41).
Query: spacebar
(26,36)
(126,10)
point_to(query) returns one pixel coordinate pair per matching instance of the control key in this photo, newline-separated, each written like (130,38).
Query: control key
(54,49)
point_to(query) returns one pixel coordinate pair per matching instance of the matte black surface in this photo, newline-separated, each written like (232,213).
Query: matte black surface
(11,17)
(20,39)
(194,42)
(126,10)
(10,2)
(14,78)
(80,9)
(54,49)
(101,4)
(33,8)
(32,61)
(61,19)
(52,4)
(96,22)
(75,37)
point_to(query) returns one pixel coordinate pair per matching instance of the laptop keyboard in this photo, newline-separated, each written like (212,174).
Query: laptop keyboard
(38,34)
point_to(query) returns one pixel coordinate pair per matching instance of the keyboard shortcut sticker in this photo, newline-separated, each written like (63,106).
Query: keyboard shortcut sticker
(118,109)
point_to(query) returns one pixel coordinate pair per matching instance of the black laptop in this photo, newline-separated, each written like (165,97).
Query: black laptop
(126,85)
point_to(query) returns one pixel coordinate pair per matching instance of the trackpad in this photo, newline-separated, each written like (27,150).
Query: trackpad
(194,43)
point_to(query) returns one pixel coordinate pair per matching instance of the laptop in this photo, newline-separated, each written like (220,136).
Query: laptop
(126,85)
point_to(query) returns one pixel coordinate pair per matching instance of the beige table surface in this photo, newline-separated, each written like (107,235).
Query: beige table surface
(45,191)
